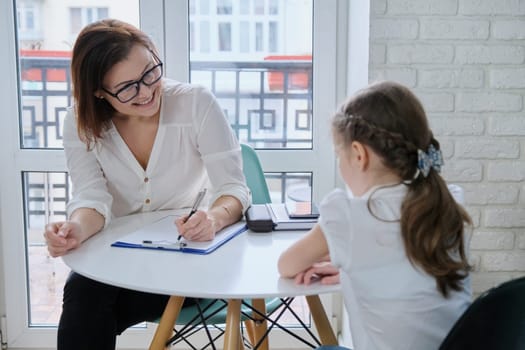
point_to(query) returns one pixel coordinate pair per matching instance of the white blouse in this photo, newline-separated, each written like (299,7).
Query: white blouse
(391,303)
(194,148)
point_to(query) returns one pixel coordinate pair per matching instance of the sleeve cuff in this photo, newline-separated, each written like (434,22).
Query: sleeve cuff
(102,209)
(241,193)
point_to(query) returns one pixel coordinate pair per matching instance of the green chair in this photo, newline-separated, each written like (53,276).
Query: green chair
(254,176)
(209,314)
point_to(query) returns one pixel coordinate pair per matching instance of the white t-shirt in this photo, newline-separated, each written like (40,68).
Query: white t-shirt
(390,303)
(194,148)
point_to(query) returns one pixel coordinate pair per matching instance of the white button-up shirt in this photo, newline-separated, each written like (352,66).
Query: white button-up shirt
(391,303)
(194,148)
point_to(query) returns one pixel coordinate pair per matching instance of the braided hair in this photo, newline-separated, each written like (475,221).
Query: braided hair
(388,118)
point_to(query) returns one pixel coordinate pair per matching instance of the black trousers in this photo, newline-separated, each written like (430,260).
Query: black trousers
(94,313)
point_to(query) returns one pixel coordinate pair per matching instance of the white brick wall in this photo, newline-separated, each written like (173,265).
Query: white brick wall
(465,59)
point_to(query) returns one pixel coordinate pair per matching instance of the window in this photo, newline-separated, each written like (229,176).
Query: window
(225,37)
(39,186)
(273,37)
(244,36)
(81,16)
(237,33)
(244,7)
(279,109)
(27,16)
(258,7)
(204,8)
(224,7)
(268,97)
(204,37)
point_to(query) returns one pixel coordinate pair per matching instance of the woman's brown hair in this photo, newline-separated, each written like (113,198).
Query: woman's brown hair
(99,46)
(389,118)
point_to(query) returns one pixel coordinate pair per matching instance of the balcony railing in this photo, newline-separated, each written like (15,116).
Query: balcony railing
(268,104)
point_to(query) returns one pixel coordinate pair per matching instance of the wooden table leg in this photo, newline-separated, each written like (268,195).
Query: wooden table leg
(256,329)
(166,324)
(232,333)
(321,321)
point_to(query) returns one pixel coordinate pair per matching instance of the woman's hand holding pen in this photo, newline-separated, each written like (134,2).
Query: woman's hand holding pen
(199,227)
(61,237)
(202,226)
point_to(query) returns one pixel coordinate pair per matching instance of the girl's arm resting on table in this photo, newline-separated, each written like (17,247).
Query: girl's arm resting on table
(323,271)
(303,254)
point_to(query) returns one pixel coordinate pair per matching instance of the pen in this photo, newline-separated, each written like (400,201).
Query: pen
(195,206)
(162,244)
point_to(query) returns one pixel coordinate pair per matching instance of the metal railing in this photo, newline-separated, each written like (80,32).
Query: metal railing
(268,104)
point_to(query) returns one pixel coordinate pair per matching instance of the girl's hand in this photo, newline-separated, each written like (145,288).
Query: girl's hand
(61,237)
(324,272)
(199,227)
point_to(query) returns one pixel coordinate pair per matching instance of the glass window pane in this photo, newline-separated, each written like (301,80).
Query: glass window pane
(44,57)
(45,94)
(30,20)
(245,36)
(269,56)
(267,96)
(224,7)
(272,37)
(45,198)
(192,36)
(204,37)
(244,7)
(27,16)
(75,18)
(225,37)
(273,7)
(286,187)
(258,7)
(205,7)
(102,12)
(259,37)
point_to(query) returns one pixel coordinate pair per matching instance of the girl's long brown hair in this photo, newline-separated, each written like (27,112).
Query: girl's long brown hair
(99,46)
(389,118)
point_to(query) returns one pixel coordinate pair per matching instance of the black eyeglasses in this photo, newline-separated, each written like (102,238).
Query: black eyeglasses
(131,90)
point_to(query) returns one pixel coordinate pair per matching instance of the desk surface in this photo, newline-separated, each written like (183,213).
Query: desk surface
(245,267)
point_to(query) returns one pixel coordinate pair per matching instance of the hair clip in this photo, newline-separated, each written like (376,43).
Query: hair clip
(433,158)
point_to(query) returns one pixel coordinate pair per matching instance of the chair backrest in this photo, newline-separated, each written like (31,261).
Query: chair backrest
(495,320)
(254,176)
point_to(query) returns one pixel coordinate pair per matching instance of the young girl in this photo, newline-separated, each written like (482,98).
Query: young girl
(398,237)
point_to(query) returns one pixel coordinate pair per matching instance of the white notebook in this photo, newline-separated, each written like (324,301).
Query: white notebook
(282,220)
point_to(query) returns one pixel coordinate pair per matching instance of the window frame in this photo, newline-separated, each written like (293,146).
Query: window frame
(162,20)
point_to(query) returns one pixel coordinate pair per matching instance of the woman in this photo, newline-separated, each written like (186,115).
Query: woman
(135,142)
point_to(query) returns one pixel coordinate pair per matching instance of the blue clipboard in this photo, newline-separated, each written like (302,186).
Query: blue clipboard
(162,235)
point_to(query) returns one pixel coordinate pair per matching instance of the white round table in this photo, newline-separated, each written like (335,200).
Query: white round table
(243,268)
